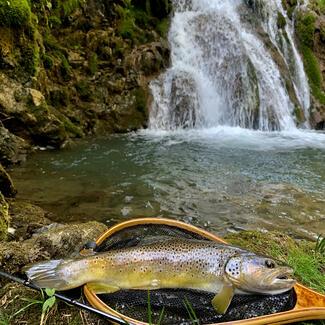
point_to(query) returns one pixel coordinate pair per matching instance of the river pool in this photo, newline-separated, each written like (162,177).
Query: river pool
(224,179)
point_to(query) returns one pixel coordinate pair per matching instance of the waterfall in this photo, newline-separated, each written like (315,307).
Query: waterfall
(231,64)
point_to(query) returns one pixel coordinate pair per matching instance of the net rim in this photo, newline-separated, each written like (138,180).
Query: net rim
(302,310)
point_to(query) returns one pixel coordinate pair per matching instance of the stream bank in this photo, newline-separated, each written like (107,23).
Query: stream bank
(44,240)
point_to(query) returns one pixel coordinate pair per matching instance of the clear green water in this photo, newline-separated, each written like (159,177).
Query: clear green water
(224,179)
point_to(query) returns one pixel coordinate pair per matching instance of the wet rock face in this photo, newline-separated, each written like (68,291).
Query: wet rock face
(184,101)
(6,185)
(71,80)
(27,115)
(50,242)
(13,149)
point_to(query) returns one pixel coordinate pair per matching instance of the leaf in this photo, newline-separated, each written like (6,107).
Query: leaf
(50,292)
(49,303)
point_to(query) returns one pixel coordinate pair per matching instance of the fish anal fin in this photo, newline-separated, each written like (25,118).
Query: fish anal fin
(101,288)
(222,299)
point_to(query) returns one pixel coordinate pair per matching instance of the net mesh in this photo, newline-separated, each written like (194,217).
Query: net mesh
(181,306)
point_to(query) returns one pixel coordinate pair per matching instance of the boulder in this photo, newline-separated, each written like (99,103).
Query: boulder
(26,219)
(13,149)
(50,242)
(149,59)
(184,102)
(6,185)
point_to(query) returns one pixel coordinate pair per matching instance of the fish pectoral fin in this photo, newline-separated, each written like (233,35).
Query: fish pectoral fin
(101,288)
(222,299)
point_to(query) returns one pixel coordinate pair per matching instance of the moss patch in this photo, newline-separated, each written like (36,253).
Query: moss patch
(93,64)
(314,74)
(305,29)
(14,13)
(281,21)
(4,218)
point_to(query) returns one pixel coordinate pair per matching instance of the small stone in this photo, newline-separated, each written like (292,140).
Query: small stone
(37,97)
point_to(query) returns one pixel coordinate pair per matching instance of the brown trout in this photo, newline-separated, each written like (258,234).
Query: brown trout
(173,263)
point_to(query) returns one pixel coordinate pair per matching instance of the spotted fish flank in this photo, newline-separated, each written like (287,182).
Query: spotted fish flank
(174,263)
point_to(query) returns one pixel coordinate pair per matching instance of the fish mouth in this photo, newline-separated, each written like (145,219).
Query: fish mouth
(283,276)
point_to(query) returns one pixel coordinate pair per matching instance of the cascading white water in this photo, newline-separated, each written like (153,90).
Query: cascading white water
(223,71)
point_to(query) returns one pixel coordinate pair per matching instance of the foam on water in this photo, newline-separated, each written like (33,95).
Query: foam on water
(222,71)
(239,137)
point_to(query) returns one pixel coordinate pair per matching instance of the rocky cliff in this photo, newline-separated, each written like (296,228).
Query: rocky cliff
(72,68)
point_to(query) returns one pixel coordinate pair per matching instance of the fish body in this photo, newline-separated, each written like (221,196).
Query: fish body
(173,263)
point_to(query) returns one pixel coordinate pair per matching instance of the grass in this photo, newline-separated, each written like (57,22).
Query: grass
(320,244)
(47,302)
(149,310)
(191,312)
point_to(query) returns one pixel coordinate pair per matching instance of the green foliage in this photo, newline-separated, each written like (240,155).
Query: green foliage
(281,21)
(47,302)
(69,6)
(308,268)
(31,58)
(162,27)
(318,6)
(54,21)
(65,67)
(71,128)
(140,100)
(14,13)
(47,61)
(305,28)
(320,245)
(126,27)
(4,318)
(93,63)
(313,72)
(191,312)
(299,114)
(84,90)
(161,315)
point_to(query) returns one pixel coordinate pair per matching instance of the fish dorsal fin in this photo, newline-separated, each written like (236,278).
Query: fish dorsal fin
(102,288)
(222,299)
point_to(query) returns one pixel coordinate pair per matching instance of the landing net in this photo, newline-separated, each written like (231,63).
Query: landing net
(181,306)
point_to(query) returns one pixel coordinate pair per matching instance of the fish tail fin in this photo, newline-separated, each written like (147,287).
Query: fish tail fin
(48,274)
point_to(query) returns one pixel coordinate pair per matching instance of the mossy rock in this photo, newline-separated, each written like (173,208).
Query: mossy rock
(14,13)
(6,185)
(4,218)
(305,30)
(281,21)
(26,219)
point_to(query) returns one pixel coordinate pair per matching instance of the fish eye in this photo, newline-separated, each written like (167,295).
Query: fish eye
(269,264)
